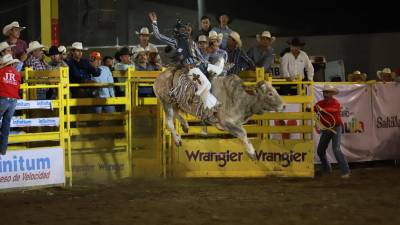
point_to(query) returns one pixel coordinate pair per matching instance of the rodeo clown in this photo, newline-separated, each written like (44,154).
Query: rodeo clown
(190,56)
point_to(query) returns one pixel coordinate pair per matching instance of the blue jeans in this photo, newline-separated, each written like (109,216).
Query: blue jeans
(7,109)
(105,108)
(324,140)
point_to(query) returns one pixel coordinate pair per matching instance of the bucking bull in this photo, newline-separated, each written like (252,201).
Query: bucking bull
(176,91)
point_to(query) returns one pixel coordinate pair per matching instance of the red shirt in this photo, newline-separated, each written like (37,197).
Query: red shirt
(332,106)
(10,80)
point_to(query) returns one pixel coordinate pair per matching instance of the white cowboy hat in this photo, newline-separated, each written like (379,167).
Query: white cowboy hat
(202,38)
(137,51)
(356,75)
(4,45)
(235,36)
(386,71)
(10,26)
(7,60)
(78,46)
(33,45)
(62,49)
(265,34)
(214,35)
(330,88)
(153,49)
(144,30)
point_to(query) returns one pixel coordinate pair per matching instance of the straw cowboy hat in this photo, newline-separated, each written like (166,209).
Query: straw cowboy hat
(153,49)
(10,26)
(330,88)
(296,42)
(4,45)
(7,60)
(236,37)
(62,49)
(202,38)
(77,46)
(144,31)
(265,34)
(213,35)
(357,76)
(385,74)
(33,45)
(137,51)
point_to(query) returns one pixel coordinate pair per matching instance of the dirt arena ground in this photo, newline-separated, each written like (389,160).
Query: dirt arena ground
(371,196)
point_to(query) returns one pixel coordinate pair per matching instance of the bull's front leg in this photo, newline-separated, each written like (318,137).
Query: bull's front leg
(170,116)
(239,132)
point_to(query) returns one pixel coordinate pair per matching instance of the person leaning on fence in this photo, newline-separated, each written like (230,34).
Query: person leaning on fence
(10,81)
(105,77)
(386,75)
(142,60)
(153,54)
(237,56)
(109,62)
(357,76)
(123,57)
(56,59)
(13,32)
(263,54)
(328,111)
(215,55)
(81,71)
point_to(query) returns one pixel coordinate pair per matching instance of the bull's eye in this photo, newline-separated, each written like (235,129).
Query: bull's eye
(270,94)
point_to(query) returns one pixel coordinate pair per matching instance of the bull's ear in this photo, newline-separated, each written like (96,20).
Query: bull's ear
(262,85)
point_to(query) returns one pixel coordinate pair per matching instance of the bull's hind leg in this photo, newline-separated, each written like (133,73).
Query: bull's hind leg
(170,116)
(182,121)
(240,132)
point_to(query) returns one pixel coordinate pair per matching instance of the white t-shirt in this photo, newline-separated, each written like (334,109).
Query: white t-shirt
(291,66)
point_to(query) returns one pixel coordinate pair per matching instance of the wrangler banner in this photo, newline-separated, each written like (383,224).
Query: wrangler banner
(228,158)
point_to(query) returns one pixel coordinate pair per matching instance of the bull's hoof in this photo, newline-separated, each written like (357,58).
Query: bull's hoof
(178,142)
(185,129)
(252,155)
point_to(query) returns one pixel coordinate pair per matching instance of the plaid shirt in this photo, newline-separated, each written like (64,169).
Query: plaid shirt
(35,63)
(240,60)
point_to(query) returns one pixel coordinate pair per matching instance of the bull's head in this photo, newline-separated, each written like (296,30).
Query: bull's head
(268,98)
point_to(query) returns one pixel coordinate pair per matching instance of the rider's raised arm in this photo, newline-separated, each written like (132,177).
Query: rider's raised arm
(166,40)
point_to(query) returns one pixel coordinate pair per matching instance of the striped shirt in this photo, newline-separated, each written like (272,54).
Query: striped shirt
(240,60)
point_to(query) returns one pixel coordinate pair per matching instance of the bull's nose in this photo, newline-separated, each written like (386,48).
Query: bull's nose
(283,107)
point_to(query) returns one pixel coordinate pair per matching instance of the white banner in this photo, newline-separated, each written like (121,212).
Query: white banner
(34,167)
(386,120)
(358,137)
(36,122)
(37,104)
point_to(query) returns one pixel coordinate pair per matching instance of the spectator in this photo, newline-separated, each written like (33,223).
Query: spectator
(13,32)
(56,58)
(141,60)
(10,81)
(386,75)
(108,61)
(81,71)
(105,77)
(236,55)
(123,57)
(357,76)
(296,61)
(5,49)
(223,18)
(202,42)
(216,56)
(153,54)
(144,36)
(36,62)
(263,53)
(205,24)
(63,51)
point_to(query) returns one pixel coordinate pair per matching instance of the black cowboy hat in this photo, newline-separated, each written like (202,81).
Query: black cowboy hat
(296,42)
(121,52)
(225,12)
(53,50)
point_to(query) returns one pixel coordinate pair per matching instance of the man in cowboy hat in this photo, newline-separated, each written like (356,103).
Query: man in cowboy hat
(80,70)
(386,75)
(205,24)
(36,56)
(153,54)
(328,110)
(236,55)
(357,76)
(296,61)
(216,56)
(56,59)
(142,60)
(123,56)
(144,36)
(190,57)
(13,32)
(202,42)
(224,18)
(5,49)
(10,81)
(263,54)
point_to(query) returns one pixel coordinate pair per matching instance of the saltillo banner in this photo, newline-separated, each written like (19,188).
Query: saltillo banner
(33,167)
(386,120)
(35,122)
(358,136)
(34,104)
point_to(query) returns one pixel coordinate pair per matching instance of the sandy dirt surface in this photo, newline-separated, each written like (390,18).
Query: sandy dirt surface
(371,196)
